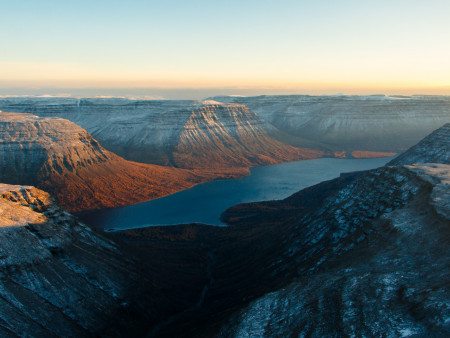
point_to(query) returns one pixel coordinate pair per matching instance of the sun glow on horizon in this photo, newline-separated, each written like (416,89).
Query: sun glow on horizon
(346,46)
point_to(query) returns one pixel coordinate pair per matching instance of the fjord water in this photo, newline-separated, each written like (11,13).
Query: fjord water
(205,202)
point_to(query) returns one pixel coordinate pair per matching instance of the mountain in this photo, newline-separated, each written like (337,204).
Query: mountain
(435,148)
(59,278)
(363,254)
(353,123)
(61,157)
(371,260)
(368,253)
(188,134)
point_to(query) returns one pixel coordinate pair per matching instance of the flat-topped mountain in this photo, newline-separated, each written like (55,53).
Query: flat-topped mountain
(189,134)
(353,123)
(58,155)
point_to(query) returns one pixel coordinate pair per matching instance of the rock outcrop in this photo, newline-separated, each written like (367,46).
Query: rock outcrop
(60,278)
(188,134)
(62,158)
(435,148)
(375,123)
(371,260)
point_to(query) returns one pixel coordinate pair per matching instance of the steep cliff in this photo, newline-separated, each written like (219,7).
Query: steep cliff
(190,134)
(353,123)
(61,157)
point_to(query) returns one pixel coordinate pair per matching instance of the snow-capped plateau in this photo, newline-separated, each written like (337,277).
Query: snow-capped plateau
(188,134)
(373,123)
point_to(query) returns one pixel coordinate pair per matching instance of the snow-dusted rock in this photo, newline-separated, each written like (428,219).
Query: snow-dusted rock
(433,148)
(181,133)
(57,276)
(375,123)
(372,259)
(64,159)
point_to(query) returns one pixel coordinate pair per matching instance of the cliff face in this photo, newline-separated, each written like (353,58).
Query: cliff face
(190,134)
(61,157)
(57,276)
(352,123)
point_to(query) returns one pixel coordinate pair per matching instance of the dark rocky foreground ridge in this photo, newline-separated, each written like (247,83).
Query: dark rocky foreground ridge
(60,278)
(364,254)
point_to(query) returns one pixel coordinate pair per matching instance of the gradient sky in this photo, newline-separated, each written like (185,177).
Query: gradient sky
(294,46)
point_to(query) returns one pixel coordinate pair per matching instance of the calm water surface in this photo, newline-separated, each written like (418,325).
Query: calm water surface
(205,202)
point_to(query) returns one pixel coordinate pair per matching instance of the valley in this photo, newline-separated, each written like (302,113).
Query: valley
(365,252)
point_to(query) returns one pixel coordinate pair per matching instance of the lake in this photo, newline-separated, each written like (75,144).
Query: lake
(204,203)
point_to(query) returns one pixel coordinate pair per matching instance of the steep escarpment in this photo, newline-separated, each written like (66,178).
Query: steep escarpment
(188,134)
(352,123)
(231,135)
(61,157)
(60,278)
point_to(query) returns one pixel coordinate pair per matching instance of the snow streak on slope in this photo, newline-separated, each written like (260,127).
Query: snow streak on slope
(374,123)
(180,133)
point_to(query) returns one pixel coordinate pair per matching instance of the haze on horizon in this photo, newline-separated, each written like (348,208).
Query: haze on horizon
(179,49)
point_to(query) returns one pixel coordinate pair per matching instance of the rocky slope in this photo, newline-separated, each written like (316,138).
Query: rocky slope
(371,260)
(433,148)
(364,254)
(352,123)
(189,134)
(61,157)
(58,278)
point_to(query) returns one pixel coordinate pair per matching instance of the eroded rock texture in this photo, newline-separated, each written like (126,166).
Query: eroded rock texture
(352,123)
(60,278)
(62,158)
(189,134)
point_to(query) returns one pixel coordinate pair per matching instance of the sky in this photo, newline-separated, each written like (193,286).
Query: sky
(176,48)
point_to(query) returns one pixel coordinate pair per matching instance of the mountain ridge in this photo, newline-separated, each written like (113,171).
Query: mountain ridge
(352,123)
(184,134)
(61,157)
